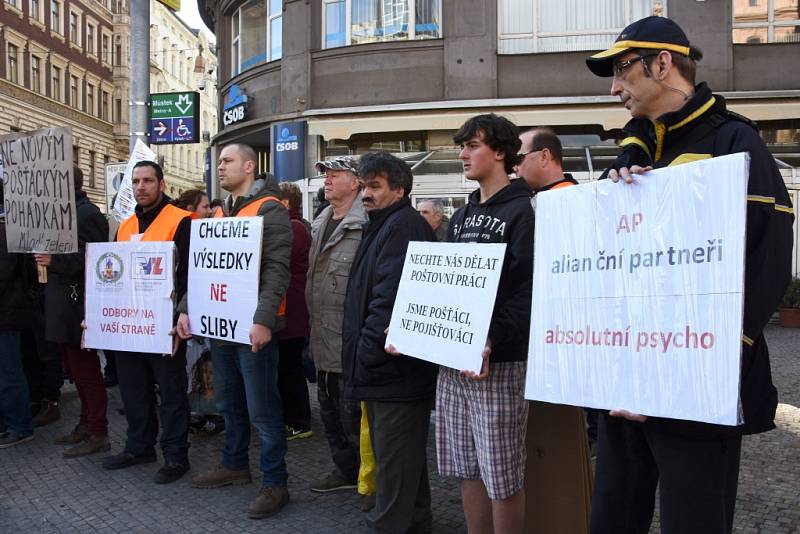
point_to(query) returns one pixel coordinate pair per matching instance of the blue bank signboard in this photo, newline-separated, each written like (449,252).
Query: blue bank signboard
(289,150)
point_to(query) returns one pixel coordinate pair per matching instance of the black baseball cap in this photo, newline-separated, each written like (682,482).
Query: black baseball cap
(657,33)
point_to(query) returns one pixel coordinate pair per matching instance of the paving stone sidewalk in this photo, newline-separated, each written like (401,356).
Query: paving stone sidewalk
(41,493)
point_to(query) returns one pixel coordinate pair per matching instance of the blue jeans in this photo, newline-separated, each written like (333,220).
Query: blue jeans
(246,391)
(15,410)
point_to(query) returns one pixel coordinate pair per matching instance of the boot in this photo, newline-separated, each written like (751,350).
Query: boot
(49,413)
(268,502)
(222,476)
(77,435)
(91,445)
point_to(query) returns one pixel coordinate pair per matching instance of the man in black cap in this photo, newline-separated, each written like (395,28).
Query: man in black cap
(675,121)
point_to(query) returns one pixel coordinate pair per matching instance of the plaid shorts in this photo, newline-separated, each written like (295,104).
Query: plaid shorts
(480,427)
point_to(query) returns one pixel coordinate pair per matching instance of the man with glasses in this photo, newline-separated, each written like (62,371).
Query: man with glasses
(540,161)
(695,465)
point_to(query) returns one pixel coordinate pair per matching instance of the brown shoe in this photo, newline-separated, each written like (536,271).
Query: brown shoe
(268,502)
(77,435)
(92,445)
(48,414)
(222,476)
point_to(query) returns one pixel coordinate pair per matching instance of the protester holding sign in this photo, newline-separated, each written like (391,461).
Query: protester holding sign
(245,376)
(480,430)
(17,275)
(398,391)
(695,465)
(64,308)
(155,219)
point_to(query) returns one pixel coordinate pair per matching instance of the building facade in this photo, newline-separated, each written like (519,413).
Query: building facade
(402,75)
(174,67)
(57,70)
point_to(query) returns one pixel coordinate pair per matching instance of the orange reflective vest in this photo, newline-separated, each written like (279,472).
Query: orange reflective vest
(562,184)
(251,210)
(163,228)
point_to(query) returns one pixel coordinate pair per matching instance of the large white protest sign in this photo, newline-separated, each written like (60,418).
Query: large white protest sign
(445,300)
(126,203)
(129,289)
(39,191)
(637,302)
(224,269)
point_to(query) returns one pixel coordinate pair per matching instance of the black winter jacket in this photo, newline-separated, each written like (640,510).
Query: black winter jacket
(704,128)
(506,217)
(64,291)
(369,372)
(18,294)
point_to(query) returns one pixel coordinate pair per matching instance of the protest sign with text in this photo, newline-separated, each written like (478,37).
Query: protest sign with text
(39,191)
(224,270)
(129,289)
(445,301)
(125,203)
(638,301)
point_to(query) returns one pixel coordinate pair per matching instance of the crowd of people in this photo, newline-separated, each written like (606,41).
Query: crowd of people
(328,288)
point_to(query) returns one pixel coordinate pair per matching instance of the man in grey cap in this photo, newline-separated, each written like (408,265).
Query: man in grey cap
(335,236)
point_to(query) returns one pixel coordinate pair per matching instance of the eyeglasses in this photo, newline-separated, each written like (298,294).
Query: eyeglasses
(622,66)
(523,154)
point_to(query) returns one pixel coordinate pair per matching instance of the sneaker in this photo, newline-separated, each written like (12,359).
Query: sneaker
(367,502)
(332,482)
(49,413)
(78,435)
(126,459)
(268,502)
(12,439)
(222,476)
(91,445)
(171,472)
(297,433)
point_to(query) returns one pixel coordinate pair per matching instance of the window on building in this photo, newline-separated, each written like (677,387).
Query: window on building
(36,10)
(90,91)
(36,74)
(235,57)
(55,83)
(373,21)
(74,28)
(73,92)
(55,16)
(118,55)
(257,33)
(12,3)
(92,157)
(104,106)
(766,21)
(76,154)
(105,48)
(539,26)
(118,110)
(90,31)
(12,72)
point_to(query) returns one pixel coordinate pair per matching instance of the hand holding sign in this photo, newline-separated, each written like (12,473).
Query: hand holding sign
(627,174)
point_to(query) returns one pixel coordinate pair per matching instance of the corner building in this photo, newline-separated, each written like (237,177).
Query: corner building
(304,80)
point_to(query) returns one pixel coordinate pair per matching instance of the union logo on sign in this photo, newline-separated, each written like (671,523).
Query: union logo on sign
(109,268)
(150,266)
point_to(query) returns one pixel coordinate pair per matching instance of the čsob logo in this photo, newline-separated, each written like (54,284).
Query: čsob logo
(285,135)
(286,142)
(234,97)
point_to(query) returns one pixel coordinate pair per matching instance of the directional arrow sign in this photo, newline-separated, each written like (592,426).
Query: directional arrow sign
(174,118)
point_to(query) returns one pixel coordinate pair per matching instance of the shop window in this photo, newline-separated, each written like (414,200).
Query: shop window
(257,34)
(766,21)
(349,22)
(539,26)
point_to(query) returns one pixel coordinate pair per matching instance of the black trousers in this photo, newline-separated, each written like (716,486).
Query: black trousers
(342,421)
(292,383)
(138,374)
(44,369)
(697,480)
(399,432)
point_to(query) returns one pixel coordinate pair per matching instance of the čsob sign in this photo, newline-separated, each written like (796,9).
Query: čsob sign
(289,150)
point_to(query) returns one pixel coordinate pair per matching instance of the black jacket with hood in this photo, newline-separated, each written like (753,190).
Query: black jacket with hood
(369,372)
(704,128)
(506,217)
